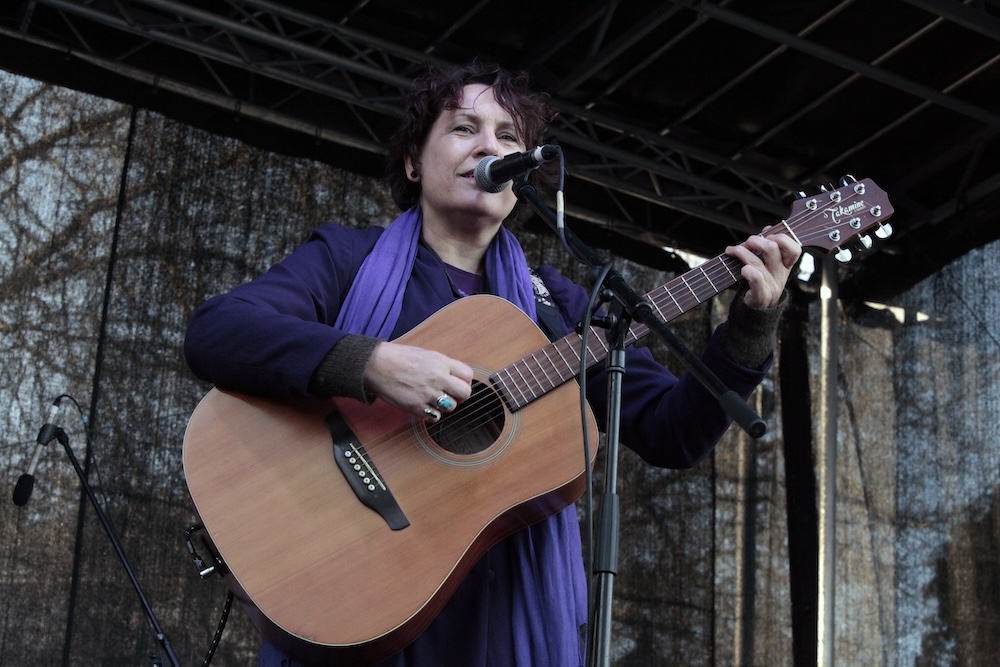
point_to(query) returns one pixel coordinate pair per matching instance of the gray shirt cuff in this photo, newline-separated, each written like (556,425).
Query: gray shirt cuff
(342,370)
(751,333)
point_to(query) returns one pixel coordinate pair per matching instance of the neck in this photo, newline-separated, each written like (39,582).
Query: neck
(466,251)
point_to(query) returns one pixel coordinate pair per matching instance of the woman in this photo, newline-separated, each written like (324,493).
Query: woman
(321,323)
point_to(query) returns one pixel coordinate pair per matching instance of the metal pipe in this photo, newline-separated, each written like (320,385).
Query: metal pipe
(826,457)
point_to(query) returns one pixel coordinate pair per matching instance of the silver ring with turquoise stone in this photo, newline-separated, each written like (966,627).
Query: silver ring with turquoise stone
(446,403)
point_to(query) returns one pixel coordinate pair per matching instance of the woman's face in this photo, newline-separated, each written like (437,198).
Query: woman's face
(458,140)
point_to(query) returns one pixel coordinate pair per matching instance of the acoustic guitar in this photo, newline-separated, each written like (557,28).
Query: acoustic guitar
(344,529)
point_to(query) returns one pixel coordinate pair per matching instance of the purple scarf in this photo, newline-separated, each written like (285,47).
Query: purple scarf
(375,299)
(547,588)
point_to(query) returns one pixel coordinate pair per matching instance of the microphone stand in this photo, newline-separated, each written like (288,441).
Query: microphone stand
(161,636)
(629,306)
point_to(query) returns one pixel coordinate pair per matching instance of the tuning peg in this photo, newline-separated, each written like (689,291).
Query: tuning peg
(863,243)
(801,194)
(884,230)
(843,255)
(847,179)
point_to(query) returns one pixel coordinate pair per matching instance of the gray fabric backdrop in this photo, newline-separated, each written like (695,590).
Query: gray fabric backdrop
(115,223)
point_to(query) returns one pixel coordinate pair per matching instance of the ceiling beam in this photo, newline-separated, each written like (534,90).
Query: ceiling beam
(851,64)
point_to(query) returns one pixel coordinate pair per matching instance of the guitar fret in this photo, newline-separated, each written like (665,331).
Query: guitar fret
(574,345)
(635,332)
(507,386)
(521,382)
(523,385)
(675,307)
(533,376)
(705,273)
(562,359)
(501,385)
(596,339)
(671,295)
(550,371)
(556,365)
(695,294)
(566,342)
(730,270)
(658,311)
(594,357)
(548,362)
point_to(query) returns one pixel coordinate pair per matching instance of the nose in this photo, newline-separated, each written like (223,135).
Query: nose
(488,145)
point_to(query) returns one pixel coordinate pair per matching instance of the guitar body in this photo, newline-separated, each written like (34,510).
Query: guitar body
(325,576)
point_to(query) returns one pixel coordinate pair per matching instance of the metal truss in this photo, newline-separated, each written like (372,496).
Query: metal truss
(323,78)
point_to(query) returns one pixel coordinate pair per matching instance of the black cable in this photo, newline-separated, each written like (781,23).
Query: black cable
(584,411)
(218,630)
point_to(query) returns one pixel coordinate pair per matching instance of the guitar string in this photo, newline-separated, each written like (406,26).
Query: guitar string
(712,273)
(722,270)
(724,262)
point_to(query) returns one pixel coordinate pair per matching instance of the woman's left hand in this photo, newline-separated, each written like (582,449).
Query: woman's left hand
(767,261)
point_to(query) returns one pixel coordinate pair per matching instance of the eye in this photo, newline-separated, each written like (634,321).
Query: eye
(463,129)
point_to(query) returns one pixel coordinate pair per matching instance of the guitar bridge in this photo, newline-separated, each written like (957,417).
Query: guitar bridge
(361,474)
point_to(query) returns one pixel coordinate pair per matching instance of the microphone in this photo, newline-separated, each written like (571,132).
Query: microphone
(493,173)
(48,433)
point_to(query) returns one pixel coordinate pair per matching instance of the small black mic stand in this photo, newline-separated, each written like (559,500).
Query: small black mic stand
(605,560)
(161,636)
(629,306)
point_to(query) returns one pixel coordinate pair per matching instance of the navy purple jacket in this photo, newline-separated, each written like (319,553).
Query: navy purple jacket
(270,335)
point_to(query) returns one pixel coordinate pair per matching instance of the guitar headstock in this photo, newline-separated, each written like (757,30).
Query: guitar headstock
(835,220)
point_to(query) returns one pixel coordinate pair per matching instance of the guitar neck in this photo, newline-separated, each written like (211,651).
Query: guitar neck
(825,223)
(535,375)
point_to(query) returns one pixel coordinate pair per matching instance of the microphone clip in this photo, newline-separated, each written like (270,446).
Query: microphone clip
(48,433)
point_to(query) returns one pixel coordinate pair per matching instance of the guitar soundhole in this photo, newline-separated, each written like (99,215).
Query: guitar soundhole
(474,426)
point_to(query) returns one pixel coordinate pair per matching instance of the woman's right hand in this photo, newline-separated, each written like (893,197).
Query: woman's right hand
(413,378)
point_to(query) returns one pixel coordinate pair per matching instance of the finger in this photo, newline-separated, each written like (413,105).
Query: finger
(750,254)
(790,250)
(461,372)
(774,255)
(762,268)
(458,384)
(764,248)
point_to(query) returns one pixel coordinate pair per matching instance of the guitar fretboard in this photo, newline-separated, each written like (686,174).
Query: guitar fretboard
(533,376)
(825,222)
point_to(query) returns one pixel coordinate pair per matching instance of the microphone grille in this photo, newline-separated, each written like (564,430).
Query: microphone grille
(483,179)
(23,488)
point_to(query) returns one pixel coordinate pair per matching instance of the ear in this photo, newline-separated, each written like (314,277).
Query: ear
(412,169)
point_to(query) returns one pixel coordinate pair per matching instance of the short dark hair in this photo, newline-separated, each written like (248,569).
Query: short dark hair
(438,90)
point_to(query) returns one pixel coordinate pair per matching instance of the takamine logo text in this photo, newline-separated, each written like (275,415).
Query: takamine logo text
(836,213)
